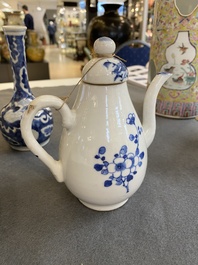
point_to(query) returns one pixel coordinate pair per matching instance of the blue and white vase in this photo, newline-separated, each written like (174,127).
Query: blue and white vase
(11,114)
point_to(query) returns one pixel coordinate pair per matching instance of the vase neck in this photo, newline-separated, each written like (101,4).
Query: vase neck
(33,38)
(182,35)
(111,8)
(16,46)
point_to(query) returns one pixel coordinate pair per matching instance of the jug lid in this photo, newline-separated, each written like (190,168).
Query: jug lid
(104,68)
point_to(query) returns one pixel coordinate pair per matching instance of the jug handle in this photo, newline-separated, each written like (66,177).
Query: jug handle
(68,121)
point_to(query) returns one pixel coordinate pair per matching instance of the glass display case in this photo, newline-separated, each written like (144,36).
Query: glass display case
(71,31)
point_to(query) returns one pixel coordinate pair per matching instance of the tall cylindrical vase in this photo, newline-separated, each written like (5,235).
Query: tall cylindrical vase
(174,49)
(11,114)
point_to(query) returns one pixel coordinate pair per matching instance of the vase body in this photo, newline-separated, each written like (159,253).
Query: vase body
(174,50)
(111,25)
(11,114)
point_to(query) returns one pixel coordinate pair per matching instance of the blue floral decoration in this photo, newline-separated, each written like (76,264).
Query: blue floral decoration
(11,114)
(119,70)
(124,165)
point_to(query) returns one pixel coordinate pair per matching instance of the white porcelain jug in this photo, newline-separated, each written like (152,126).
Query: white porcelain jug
(103,147)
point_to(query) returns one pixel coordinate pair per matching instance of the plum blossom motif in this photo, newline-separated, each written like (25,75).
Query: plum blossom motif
(124,165)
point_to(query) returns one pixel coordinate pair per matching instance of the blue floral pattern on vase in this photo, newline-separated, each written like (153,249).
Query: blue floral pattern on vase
(125,164)
(11,114)
(119,70)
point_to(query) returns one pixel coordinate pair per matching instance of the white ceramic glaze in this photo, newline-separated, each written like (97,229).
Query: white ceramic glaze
(99,70)
(103,147)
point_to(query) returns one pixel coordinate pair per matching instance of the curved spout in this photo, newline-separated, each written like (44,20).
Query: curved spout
(149,118)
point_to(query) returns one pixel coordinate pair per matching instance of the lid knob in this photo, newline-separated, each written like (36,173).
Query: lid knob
(105,68)
(104,46)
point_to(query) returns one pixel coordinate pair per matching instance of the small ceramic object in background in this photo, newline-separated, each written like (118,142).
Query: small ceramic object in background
(34,51)
(10,115)
(103,148)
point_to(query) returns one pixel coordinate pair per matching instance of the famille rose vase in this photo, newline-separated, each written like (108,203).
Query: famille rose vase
(11,114)
(174,49)
(103,147)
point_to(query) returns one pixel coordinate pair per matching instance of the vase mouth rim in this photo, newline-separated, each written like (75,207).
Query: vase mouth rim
(14,28)
(112,3)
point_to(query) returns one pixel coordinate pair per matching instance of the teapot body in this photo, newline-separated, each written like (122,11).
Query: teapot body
(104,156)
(103,148)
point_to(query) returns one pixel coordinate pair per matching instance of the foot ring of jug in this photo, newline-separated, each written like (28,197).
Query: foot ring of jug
(103,207)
